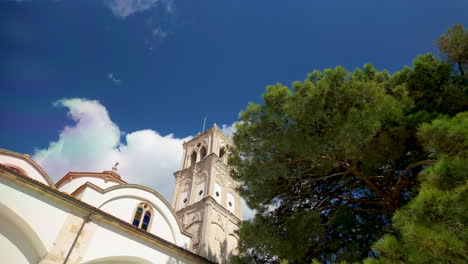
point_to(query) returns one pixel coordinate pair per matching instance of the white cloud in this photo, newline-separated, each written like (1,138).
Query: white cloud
(229,130)
(114,79)
(93,144)
(247,213)
(125,8)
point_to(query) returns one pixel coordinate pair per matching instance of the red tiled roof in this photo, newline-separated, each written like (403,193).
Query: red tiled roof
(106,175)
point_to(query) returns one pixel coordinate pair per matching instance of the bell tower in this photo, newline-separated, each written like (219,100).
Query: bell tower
(205,199)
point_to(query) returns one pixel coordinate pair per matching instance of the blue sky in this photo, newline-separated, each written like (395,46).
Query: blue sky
(162,65)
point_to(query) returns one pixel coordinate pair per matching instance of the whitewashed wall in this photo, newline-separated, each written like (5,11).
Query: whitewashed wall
(30,223)
(71,186)
(23,165)
(34,223)
(121,201)
(107,244)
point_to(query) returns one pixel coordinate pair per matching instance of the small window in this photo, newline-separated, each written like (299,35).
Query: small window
(193,158)
(143,214)
(202,152)
(217,194)
(200,192)
(185,200)
(230,204)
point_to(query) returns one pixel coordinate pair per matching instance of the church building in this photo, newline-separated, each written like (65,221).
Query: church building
(99,218)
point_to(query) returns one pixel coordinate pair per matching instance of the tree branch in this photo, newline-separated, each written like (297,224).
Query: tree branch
(370,210)
(365,179)
(365,201)
(399,186)
(327,176)
(285,163)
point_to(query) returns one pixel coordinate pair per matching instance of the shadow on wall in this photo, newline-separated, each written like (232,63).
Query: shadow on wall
(18,238)
(222,259)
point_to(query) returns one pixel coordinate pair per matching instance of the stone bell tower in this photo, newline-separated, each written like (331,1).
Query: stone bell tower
(205,199)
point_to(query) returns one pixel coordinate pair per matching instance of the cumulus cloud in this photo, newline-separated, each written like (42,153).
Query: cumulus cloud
(93,143)
(125,8)
(114,79)
(247,213)
(229,130)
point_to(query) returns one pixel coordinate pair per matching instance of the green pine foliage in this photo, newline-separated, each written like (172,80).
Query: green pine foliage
(454,45)
(432,228)
(352,166)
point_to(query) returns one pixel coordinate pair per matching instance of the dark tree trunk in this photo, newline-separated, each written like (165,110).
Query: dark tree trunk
(460,68)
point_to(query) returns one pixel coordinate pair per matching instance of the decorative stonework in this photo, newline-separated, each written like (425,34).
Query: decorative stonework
(201,177)
(185,185)
(207,216)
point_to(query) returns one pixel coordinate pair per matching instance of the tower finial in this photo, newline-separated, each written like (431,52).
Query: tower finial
(114,168)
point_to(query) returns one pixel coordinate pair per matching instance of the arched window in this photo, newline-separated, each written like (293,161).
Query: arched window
(193,158)
(202,152)
(142,216)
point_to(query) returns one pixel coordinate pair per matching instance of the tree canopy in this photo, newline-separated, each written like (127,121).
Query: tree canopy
(432,227)
(454,44)
(328,162)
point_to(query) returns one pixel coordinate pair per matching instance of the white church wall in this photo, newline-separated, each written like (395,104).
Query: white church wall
(28,218)
(89,196)
(71,186)
(124,208)
(119,260)
(44,218)
(29,170)
(10,253)
(18,243)
(119,245)
(139,194)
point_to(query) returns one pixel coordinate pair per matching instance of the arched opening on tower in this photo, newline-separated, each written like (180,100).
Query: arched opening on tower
(202,152)
(222,152)
(193,158)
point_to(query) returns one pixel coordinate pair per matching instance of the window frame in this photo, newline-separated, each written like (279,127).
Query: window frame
(142,216)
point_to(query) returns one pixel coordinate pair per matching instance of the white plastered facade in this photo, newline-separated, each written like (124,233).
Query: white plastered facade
(83,220)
